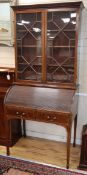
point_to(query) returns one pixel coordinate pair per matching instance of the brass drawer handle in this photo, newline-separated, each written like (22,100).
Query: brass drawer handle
(17,113)
(52,118)
(48,117)
(23,114)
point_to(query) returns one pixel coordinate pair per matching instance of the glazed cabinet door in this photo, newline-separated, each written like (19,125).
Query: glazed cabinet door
(61,43)
(29,46)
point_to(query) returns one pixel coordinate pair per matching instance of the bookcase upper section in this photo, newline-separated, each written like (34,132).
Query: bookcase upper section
(46,42)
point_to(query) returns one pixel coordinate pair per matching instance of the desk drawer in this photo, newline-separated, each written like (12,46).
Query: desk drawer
(19,113)
(15,113)
(53,118)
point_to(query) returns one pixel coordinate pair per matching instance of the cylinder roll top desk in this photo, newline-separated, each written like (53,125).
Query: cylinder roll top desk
(46,41)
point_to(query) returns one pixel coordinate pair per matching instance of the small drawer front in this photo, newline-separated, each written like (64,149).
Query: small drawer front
(52,118)
(46,118)
(20,113)
(15,113)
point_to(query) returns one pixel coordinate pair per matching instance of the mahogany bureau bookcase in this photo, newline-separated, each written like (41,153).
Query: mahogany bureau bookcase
(46,41)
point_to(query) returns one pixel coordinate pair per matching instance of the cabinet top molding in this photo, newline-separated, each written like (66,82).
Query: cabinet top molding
(78,4)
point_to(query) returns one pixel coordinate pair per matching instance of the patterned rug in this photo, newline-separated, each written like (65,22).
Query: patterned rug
(14,166)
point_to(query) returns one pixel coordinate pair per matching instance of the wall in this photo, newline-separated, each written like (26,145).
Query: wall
(6,53)
(54,132)
(47,1)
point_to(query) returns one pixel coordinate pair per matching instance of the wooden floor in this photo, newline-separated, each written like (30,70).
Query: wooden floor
(45,151)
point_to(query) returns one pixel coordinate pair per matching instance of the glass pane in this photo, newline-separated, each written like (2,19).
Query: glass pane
(29,48)
(61,31)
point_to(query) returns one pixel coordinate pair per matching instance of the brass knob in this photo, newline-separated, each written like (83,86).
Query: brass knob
(23,114)
(17,113)
(48,117)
